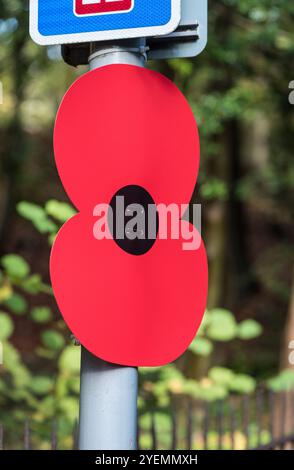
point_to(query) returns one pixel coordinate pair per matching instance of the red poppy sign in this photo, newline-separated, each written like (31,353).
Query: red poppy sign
(124,133)
(96,7)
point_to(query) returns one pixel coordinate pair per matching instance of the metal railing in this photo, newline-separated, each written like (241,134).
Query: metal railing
(261,421)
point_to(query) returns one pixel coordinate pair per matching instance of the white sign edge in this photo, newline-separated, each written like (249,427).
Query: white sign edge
(38,38)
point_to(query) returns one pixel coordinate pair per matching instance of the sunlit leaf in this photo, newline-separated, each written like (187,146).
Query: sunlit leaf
(70,359)
(201,346)
(15,266)
(61,211)
(222,325)
(283,381)
(249,329)
(221,375)
(5,292)
(53,340)
(243,384)
(33,284)
(41,314)
(6,326)
(17,304)
(41,385)
(37,216)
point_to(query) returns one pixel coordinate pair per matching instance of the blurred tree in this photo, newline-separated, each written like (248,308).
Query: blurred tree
(24,69)
(238,89)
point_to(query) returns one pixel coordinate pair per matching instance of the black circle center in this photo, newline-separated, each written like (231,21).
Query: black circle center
(133,220)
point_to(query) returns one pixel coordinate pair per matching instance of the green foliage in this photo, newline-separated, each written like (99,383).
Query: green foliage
(214,189)
(69,361)
(17,304)
(284,381)
(221,376)
(16,274)
(61,211)
(222,325)
(219,325)
(17,373)
(41,385)
(53,340)
(44,396)
(5,290)
(33,285)
(210,392)
(47,219)
(6,326)
(41,314)
(37,216)
(249,329)
(15,266)
(243,384)
(201,346)
(160,384)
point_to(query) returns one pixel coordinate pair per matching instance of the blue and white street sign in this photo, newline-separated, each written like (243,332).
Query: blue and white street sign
(77,21)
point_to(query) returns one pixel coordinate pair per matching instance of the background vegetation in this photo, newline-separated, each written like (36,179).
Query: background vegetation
(238,89)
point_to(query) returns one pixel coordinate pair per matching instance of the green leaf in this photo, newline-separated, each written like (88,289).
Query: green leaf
(74,384)
(284,381)
(212,392)
(61,211)
(17,304)
(201,346)
(45,353)
(70,407)
(249,329)
(12,356)
(37,216)
(33,284)
(214,189)
(47,406)
(19,373)
(41,385)
(15,266)
(52,238)
(41,314)
(191,388)
(70,359)
(30,211)
(5,292)
(204,324)
(52,340)
(222,325)
(6,326)
(170,372)
(243,384)
(221,375)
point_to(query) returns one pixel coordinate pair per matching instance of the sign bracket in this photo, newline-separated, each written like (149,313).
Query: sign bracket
(188,40)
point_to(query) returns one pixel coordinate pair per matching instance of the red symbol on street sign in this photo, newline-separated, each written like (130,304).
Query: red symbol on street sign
(98,7)
(133,310)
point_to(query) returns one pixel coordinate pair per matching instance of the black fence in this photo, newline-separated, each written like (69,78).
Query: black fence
(264,420)
(261,421)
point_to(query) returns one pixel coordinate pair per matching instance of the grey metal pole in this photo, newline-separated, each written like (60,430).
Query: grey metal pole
(129,51)
(108,397)
(108,405)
